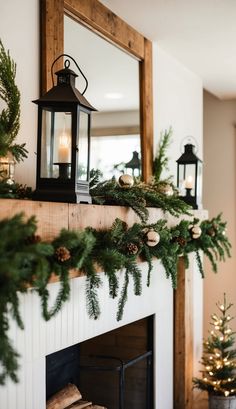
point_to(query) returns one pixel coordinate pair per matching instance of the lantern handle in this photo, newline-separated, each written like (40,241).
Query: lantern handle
(189,140)
(66,65)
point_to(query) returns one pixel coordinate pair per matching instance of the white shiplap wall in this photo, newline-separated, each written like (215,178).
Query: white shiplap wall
(72,325)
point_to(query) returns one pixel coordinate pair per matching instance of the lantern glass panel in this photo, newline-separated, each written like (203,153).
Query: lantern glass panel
(83,146)
(46,149)
(56,144)
(199,183)
(187,175)
(190,177)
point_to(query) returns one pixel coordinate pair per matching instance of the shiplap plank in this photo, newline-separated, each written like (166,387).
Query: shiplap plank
(64,326)
(20,346)
(51,325)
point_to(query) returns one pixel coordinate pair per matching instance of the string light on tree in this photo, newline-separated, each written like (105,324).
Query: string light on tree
(219,357)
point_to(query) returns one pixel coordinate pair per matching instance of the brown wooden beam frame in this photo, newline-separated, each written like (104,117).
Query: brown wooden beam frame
(104,22)
(183,339)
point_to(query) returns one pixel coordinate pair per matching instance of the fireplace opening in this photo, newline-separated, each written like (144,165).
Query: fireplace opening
(114,369)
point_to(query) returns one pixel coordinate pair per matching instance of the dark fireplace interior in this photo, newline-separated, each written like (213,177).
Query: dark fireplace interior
(114,370)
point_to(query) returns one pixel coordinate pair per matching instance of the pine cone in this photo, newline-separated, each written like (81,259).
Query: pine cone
(142,201)
(62,254)
(34,239)
(132,248)
(181,241)
(211,232)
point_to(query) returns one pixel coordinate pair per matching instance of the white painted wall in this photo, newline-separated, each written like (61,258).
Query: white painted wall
(177,102)
(219,194)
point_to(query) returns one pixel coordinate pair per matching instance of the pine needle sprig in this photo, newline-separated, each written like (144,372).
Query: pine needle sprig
(160,162)
(123,297)
(93,282)
(10,116)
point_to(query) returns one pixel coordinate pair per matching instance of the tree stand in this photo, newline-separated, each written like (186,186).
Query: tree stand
(222,402)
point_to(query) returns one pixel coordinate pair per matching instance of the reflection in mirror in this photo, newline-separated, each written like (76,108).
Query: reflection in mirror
(113,90)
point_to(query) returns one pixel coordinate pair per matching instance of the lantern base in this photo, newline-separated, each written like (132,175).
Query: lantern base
(56,194)
(190,200)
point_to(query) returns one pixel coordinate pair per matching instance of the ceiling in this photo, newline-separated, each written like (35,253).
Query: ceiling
(201,34)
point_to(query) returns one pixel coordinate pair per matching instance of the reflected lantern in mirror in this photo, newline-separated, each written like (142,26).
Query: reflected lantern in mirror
(134,165)
(189,177)
(64,123)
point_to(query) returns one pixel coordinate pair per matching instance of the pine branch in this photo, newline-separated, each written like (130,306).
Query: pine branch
(160,162)
(123,297)
(10,116)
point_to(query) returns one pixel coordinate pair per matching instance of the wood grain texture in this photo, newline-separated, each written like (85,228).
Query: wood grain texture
(107,23)
(51,217)
(146,111)
(98,216)
(51,39)
(183,348)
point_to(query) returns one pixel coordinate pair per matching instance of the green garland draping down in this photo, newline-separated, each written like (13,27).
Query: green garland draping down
(26,260)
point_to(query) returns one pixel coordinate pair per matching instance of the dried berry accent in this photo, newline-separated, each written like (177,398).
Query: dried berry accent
(34,239)
(62,254)
(181,241)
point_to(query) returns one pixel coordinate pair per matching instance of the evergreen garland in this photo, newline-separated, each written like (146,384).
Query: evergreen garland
(10,116)
(138,197)
(12,190)
(26,260)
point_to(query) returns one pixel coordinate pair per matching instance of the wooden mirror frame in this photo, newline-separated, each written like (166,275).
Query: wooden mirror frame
(104,22)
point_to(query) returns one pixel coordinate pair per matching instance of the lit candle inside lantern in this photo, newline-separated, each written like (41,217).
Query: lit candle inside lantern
(64,149)
(189,182)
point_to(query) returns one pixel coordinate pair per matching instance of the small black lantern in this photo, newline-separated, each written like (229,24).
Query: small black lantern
(189,177)
(134,164)
(63,150)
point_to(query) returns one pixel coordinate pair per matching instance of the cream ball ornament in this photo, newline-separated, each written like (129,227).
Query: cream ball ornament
(195,231)
(152,238)
(166,189)
(126,181)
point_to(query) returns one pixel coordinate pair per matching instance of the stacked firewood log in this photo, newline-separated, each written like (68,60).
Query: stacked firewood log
(70,398)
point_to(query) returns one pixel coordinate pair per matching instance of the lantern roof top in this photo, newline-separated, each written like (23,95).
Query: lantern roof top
(65,91)
(188,157)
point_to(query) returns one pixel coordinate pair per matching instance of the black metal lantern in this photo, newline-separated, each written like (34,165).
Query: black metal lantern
(189,177)
(64,122)
(134,164)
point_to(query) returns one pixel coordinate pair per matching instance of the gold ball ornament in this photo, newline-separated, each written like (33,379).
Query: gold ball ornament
(166,189)
(196,231)
(152,238)
(126,181)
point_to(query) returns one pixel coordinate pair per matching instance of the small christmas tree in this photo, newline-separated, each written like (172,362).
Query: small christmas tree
(219,376)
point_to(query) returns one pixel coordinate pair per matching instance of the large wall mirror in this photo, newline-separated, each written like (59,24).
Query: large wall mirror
(117,61)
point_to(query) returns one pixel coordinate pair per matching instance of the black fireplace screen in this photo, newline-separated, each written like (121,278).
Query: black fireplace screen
(114,369)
